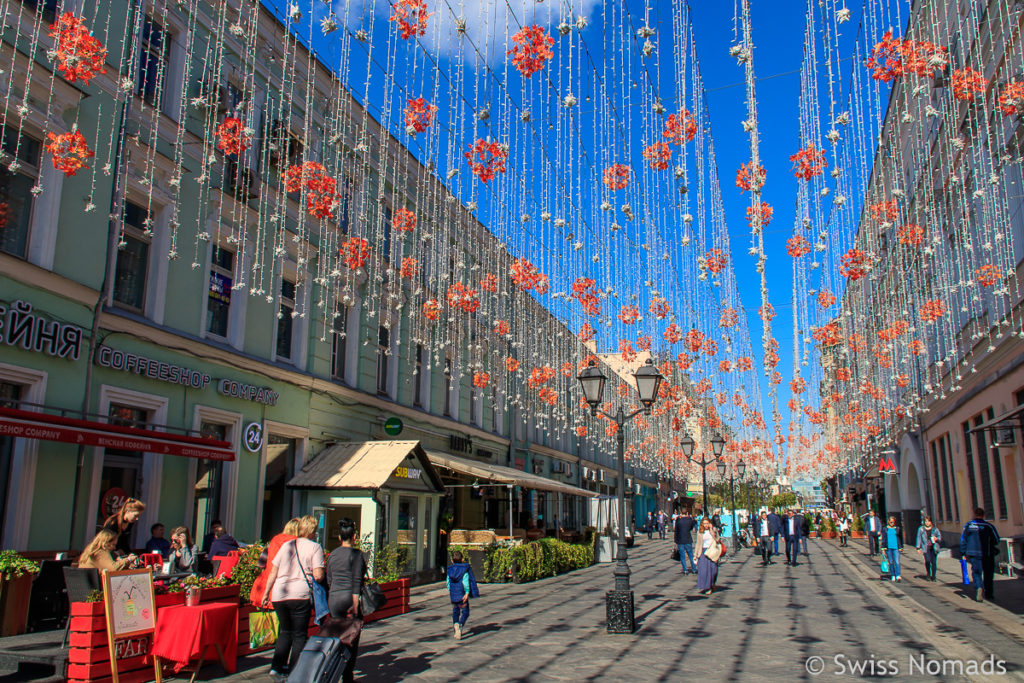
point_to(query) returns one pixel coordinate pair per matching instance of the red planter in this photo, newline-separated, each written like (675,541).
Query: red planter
(857,534)
(397,593)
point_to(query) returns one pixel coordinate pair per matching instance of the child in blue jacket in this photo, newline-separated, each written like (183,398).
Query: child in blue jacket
(461,586)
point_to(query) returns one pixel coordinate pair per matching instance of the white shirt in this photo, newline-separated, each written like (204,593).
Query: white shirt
(707,539)
(764,527)
(792,521)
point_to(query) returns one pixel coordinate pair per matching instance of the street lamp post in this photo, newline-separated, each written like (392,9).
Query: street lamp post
(619,602)
(717,446)
(741,468)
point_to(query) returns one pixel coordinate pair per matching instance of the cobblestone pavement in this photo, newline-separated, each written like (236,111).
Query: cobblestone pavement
(762,623)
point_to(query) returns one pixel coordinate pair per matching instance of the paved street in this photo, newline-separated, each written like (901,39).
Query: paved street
(763,623)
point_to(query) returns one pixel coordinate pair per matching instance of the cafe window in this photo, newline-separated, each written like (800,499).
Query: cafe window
(383,352)
(448,387)
(417,380)
(121,476)
(218,303)
(19,172)
(153,60)
(209,482)
(10,396)
(285,319)
(339,342)
(277,498)
(132,258)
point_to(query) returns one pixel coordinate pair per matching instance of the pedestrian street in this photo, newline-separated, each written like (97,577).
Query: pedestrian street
(762,623)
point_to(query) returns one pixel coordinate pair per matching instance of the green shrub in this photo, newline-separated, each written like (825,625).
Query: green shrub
(245,572)
(858,523)
(13,565)
(531,561)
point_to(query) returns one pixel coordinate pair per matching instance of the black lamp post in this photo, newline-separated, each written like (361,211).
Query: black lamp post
(739,468)
(619,601)
(717,446)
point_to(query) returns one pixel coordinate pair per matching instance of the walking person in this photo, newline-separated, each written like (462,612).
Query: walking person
(345,570)
(776,524)
(461,585)
(929,540)
(979,544)
(873,527)
(259,586)
(763,539)
(296,565)
(893,548)
(791,530)
(650,525)
(682,534)
(710,551)
(844,531)
(661,524)
(805,530)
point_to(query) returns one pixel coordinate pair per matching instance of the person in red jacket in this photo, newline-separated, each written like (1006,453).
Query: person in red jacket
(259,586)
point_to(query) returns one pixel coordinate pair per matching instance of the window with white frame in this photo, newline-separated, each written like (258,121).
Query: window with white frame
(218,304)
(286,319)
(383,353)
(154,57)
(19,172)
(132,267)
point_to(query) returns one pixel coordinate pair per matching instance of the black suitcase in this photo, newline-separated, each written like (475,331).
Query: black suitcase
(322,660)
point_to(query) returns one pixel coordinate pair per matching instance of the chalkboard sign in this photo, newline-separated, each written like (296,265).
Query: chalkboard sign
(130,609)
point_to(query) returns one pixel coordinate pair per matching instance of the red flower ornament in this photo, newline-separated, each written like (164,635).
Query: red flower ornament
(403,220)
(79,55)
(486,159)
(809,162)
(750,176)
(658,156)
(616,177)
(1011,100)
(854,264)
(232,138)
(797,246)
(354,252)
(411,17)
(410,268)
(419,115)
(680,128)
(968,84)
(69,151)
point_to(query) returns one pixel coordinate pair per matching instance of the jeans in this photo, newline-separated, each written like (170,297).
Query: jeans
(894,562)
(686,557)
(929,562)
(766,549)
(460,613)
(792,549)
(803,542)
(293,620)
(982,570)
(873,539)
(775,540)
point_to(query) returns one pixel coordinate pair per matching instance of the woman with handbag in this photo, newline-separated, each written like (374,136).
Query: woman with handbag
(708,554)
(296,566)
(345,570)
(929,540)
(893,540)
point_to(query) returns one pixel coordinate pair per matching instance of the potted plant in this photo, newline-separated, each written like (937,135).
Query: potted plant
(16,576)
(857,528)
(828,528)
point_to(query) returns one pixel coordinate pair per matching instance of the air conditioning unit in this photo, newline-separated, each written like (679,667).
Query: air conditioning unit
(557,466)
(600,475)
(1005,436)
(587,472)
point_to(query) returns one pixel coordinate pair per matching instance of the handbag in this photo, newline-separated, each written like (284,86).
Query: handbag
(675,553)
(263,627)
(885,565)
(316,591)
(713,552)
(371,597)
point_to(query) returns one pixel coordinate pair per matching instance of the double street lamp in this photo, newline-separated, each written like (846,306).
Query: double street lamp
(717,446)
(739,468)
(619,602)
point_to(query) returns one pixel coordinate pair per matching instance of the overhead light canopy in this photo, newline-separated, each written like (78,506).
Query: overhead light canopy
(648,380)
(593,385)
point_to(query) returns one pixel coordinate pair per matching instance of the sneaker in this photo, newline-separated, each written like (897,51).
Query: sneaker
(458,631)
(277,676)
(898,579)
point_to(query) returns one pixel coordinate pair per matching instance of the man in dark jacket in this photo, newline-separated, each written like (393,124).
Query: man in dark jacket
(873,527)
(792,529)
(683,536)
(776,528)
(763,537)
(979,544)
(805,530)
(223,543)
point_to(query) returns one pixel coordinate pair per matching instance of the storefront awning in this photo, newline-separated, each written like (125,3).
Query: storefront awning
(26,424)
(503,475)
(360,465)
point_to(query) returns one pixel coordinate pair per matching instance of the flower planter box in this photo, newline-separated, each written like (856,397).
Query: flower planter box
(14,599)
(858,534)
(830,535)
(813,534)
(397,593)
(88,653)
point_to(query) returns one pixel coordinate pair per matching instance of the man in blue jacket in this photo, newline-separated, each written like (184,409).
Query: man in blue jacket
(979,544)
(683,537)
(792,529)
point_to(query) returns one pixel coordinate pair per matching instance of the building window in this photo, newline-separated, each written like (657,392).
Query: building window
(218,305)
(345,201)
(474,399)
(495,427)
(339,343)
(48,8)
(938,482)
(448,387)
(972,480)
(285,319)
(153,59)
(383,350)
(417,391)
(208,483)
(132,258)
(985,473)
(945,479)
(10,397)
(997,471)
(22,153)
(386,242)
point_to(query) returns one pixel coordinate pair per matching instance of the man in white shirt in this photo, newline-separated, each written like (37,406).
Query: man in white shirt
(873,527)
(763,536)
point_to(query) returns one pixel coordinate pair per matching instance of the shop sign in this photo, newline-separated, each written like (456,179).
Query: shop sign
(107,357)
(132,647)
(20,327)
(248,392)
(393,426)
(112,501)
(254,437)
(407,473)
(887,466)
(220,287)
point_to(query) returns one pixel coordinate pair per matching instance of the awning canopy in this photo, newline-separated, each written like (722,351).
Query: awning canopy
(27,424)
(503,475)
(362,465)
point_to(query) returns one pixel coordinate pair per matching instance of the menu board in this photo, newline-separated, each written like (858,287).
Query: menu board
(129,603)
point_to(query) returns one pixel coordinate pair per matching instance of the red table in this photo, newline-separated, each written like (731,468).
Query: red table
(184,633)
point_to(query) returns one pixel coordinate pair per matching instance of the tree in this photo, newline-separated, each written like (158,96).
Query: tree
(783,500)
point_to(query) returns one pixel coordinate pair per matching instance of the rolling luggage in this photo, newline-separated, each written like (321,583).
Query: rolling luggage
(322,660)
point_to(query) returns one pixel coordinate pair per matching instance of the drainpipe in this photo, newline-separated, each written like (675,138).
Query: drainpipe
(112,239)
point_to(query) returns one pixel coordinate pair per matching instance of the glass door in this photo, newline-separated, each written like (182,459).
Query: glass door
(277,499)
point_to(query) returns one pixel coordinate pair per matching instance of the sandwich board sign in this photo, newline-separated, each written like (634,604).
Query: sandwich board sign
(130,610)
